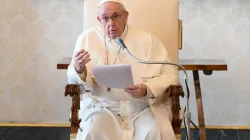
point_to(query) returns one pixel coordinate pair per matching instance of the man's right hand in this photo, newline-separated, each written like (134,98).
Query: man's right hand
(81,58)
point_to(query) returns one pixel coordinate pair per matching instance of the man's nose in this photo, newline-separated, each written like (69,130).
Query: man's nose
(111,22)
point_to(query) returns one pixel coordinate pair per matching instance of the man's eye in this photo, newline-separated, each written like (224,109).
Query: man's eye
(116,16)
(105,18)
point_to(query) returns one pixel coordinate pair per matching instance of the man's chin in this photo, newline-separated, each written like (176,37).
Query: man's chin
(113,36)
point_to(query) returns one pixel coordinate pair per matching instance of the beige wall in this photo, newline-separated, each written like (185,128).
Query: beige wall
(35,34)
(220,30)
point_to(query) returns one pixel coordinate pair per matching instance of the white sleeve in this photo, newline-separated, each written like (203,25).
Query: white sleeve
(168,73)
(73,76)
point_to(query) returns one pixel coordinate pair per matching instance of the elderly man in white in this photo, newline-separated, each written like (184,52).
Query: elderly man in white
(133,113)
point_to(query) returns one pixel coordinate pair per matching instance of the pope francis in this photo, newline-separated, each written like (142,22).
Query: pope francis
(133,113)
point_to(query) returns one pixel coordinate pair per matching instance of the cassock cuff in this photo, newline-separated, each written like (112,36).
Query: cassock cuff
(149,94)
(82,75)
(155,89)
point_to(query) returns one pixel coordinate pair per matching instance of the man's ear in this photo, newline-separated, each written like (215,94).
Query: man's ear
(126,15)
(98,18)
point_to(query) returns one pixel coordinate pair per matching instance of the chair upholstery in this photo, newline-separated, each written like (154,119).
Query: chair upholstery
(159,18)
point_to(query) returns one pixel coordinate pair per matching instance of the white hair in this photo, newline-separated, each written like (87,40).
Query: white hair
(122,7)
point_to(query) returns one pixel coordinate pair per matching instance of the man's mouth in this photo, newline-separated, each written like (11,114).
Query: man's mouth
(112,31)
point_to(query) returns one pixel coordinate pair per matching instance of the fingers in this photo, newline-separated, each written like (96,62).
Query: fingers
(85,59)
(80,56)
(133,91)
(135,94)
(79,52)
(133,87)
(136,91)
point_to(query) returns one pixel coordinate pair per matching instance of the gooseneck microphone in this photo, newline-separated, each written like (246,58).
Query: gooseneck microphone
(120,42)
(123,46)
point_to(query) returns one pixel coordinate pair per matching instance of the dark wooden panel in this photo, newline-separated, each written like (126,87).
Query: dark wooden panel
(64,63)
(189,64)
(204,64)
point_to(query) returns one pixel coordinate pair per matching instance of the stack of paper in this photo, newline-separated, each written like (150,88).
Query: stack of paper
(113,76)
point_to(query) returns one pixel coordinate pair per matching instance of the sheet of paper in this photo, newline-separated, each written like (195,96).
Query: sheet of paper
(113,76)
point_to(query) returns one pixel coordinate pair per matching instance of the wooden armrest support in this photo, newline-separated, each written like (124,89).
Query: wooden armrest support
(73,91)
(173,92)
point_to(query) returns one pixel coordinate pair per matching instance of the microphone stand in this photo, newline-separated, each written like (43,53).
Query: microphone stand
(188,114)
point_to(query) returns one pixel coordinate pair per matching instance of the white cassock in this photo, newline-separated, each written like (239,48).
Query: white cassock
(115,115)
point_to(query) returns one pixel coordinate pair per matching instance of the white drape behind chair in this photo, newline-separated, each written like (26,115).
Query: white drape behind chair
(157,17)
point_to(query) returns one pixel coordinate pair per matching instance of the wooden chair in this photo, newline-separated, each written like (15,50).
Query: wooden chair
(173,92)
(163,21)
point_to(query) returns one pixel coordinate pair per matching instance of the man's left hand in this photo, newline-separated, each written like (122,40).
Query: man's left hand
(137,91)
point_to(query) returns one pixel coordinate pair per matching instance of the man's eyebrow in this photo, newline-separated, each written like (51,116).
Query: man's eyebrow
(115,13)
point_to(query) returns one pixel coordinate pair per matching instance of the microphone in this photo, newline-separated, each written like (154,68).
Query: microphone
(120,42)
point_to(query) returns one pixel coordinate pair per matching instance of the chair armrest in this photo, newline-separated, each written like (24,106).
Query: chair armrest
(174,92)
(73,90)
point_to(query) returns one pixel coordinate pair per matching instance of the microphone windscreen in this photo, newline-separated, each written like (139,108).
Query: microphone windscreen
(120,43)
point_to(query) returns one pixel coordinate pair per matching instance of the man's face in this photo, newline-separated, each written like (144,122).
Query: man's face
(113,18)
